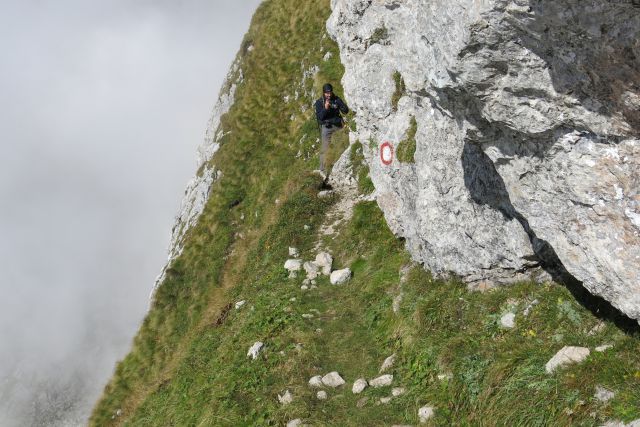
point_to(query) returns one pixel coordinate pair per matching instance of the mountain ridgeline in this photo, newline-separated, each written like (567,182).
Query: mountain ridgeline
(472,258)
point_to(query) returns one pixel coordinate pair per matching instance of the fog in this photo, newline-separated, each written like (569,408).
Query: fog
(102,106)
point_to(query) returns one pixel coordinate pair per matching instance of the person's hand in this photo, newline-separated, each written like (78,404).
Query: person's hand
(327,103)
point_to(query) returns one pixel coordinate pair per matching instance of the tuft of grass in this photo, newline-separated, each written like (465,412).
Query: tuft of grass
(380,35)
(400,90)
(360,169)
(407,147)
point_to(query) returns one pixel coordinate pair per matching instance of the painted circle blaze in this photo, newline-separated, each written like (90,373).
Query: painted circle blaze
(386,153)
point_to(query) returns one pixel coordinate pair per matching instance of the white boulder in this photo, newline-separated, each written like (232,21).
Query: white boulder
(324,261)
(255,349)
(566,356)
(359,386)
(332,379)
(293,265)
(381,381)
(339,277)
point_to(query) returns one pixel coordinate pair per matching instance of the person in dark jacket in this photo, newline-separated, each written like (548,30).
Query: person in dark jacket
(329,110)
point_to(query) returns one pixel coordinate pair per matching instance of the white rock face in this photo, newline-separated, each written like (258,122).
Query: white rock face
(254,350)
(197,192)
(339,277)
(293,252)
(566,356)
(295,423)
(381,381)
(293,265)
(527,150)
(332,379)
(324,261)
(359,385)
(321,395)
(425,413)
(604,347)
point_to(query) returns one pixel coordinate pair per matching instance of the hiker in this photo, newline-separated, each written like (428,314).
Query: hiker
(328,109)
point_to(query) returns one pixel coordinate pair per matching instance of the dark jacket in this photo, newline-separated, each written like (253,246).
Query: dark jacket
(331,117)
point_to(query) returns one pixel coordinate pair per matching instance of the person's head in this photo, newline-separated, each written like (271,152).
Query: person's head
(327,90)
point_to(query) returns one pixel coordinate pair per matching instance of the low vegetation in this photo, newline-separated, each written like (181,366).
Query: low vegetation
(407,147)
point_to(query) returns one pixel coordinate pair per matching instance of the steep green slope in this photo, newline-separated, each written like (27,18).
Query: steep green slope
(189,365)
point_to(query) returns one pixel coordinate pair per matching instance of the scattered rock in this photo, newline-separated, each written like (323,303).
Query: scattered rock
(255,349)
(398,391)
(603,395)
(316,381)
(321,395)
(325,193)
(528,308)
(566,356)
(307,316)
(304,287)
(295,423)
(361,402)
(388,363)
(339,277)
(396,303)
(604,347)
(286,398)
(118,412)
(381,381)
(307,227)
(359,386)
(306,282)
(446,376)
(599,327)
(324,261)
(294,252)
(240,304)
(385,400)
(292,299)
(311,269)
(425,413)
(332,379)
(293,275)
(508,320)
(293,264)
(327,56)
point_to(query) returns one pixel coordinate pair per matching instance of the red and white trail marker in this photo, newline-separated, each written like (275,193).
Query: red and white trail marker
(386,153)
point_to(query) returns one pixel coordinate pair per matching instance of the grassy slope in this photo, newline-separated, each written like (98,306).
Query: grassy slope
(188,364)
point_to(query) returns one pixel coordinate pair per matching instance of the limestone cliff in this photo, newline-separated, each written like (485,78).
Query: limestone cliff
(527,151)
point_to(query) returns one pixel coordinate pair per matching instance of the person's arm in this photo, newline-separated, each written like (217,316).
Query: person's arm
(342,106)
(321,113)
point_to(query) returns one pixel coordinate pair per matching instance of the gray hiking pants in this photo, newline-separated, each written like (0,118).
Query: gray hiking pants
(326,133)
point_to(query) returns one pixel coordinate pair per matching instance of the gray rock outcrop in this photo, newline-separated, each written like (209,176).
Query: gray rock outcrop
(527,121)
(566,356)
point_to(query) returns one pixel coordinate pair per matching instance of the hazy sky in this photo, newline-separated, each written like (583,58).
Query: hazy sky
(102,106)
